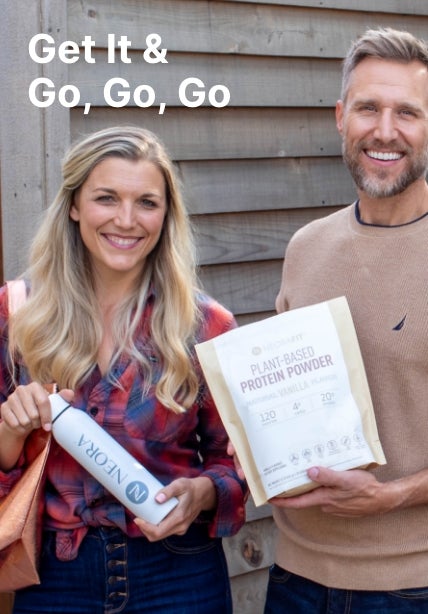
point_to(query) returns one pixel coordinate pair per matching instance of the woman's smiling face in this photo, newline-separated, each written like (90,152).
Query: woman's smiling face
(120,209)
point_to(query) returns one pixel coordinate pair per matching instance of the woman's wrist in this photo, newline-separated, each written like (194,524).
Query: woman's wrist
(11,446)
(207,493)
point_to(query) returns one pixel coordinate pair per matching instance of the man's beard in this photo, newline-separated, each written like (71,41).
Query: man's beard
(378,184)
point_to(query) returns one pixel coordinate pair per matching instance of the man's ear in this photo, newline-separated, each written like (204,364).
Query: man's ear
(339,115)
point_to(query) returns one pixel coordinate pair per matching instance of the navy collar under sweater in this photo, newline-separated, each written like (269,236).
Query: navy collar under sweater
(360,221)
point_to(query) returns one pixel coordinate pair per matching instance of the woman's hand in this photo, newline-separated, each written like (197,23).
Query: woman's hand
(26,409)
(232,452)
(194,495)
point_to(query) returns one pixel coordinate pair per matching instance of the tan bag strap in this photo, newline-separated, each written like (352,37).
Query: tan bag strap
(16,294)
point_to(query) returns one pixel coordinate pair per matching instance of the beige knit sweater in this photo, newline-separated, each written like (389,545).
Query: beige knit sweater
(383,272)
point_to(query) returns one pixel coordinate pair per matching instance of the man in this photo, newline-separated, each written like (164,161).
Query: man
(359,542)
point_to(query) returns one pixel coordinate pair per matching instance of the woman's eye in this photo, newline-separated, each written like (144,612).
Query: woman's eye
(146,202)
(105,198)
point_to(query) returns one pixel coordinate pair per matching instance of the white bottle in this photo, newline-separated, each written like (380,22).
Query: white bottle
(108,461)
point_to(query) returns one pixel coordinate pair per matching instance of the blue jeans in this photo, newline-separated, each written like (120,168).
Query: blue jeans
(291,594)
(113,573)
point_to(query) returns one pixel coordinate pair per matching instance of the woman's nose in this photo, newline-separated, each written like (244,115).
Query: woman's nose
(125,215)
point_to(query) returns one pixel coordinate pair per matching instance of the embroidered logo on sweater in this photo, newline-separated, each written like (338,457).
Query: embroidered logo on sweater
(400,324)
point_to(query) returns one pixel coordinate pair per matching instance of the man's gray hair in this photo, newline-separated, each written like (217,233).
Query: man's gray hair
(385,44)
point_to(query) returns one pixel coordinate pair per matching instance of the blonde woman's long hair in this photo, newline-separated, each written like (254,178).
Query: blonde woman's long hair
(58,331)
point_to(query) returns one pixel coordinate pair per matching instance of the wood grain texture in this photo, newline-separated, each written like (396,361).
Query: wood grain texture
(244,28)
(251,548)
(412,7)
(244,288)
(263,185)
(251,80)
(249,237)
(249,592)
(32,140)
(229,133)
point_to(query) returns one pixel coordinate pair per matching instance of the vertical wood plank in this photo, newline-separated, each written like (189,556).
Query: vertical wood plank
(21,133)
(32,139)
(56,119)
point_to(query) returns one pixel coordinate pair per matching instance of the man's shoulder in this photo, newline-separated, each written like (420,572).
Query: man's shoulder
(324,228)
(327,224)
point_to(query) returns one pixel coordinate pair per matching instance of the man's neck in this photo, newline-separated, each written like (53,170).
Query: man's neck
(395,210)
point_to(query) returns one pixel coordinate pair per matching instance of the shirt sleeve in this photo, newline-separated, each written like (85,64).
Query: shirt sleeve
(232,492)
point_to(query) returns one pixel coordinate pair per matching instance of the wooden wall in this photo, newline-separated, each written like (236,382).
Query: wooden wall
(253,172)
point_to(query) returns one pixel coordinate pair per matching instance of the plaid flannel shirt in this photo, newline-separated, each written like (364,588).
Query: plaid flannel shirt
(169,445)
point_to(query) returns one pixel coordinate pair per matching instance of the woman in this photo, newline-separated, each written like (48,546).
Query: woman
(112,316)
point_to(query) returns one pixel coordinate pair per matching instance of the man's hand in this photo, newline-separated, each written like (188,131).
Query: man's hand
(350,493)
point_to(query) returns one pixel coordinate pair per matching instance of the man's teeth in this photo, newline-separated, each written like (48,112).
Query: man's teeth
(384,155)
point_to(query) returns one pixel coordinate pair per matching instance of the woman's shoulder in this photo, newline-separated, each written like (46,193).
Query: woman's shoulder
(4,309)
(215,317)
(4,301)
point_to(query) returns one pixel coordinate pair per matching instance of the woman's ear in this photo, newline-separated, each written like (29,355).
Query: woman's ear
(74,210)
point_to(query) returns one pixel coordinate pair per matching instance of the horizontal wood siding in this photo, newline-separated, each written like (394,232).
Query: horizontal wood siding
(228,134)
(397,7)
(250,170)
(253,172)
(251,80)
(284,29)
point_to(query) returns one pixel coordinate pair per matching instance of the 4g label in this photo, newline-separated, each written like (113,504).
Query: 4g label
(192,93)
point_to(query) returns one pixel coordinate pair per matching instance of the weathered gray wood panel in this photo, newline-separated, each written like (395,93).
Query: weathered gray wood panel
(251,548)
(248,318)
(32,140)
(245,288)
(257,513)
(249,555)
(229,133)
(252,81)
(400,7)
(260,185)
(244,28)
(249,591)
(249,237)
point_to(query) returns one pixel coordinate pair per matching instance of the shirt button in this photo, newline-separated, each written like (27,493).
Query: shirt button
(93,411)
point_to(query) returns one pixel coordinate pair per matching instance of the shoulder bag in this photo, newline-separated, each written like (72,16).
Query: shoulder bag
(21,510)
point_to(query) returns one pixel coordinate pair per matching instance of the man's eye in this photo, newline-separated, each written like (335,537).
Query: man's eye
(407,113)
